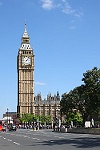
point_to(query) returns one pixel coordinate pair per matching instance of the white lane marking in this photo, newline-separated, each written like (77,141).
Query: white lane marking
(61,137)
(56,136)
(35,139)
(25,136)
(51,141)
(16,143)
(45,140)
(9,140)
(38,139)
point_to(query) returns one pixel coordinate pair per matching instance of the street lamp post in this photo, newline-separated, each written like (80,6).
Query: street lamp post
(7,117)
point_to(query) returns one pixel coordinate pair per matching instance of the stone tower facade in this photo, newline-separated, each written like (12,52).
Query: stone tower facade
(25,70)
(27,102)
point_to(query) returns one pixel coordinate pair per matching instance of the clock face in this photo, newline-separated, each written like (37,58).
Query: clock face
(26,60)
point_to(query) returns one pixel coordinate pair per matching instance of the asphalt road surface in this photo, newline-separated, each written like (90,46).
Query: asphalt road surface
(27,139)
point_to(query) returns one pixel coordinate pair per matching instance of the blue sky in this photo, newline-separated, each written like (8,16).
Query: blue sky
(65,36)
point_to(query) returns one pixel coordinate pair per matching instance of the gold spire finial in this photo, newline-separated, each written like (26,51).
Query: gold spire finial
(25,26)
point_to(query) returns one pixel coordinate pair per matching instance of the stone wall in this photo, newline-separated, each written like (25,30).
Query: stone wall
(79,130)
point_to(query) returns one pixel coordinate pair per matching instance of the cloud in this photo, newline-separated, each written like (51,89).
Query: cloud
(62,5)
(78,14)
(67,8)
(47,4)
(40,83)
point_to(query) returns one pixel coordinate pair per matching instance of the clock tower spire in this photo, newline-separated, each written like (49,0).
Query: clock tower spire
(25,69)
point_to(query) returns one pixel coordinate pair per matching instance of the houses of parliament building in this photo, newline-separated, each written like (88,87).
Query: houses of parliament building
(27,101)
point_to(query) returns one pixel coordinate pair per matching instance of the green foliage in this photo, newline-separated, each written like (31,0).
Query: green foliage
(92,91)
(84,98)
(75,117)
(46,119)
(34,118)
(26,118)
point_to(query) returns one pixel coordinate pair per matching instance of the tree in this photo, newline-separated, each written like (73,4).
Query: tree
(46,119)
(66,103)
(71,102)
(26,118)
(92,91)
(84,98)
(75,117)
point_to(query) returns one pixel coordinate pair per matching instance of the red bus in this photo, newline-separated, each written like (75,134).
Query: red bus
(0,125)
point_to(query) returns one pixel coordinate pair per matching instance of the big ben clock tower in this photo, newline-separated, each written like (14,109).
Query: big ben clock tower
(25,69)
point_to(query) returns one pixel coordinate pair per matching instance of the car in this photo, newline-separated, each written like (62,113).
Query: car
(12,127)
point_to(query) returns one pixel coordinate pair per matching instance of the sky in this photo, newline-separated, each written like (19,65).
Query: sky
(65,37)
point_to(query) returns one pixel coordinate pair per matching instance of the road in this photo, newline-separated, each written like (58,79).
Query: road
(27,139)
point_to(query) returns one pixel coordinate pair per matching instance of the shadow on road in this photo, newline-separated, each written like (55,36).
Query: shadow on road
(77,142)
